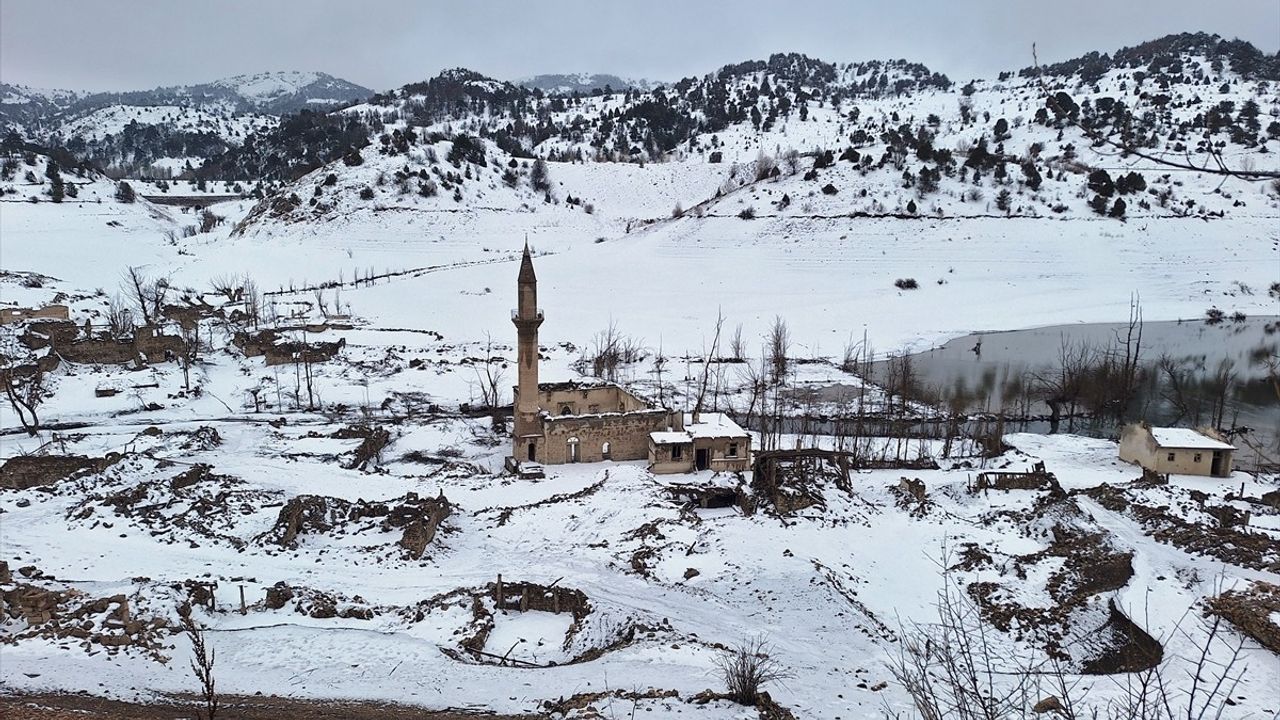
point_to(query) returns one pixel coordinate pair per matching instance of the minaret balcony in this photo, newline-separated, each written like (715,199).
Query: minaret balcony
(536,315)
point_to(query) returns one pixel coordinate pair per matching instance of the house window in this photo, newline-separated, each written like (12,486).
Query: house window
(1171,457)
(675,452)
(1196,458)
(733,450)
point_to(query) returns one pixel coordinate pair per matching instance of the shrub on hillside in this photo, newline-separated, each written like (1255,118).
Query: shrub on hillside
(906,284)
(125,193)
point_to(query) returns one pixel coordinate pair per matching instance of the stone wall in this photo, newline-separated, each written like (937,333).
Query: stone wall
(626,433)
(51,312)
(267,343)
(27,471)
(57,333)
(573,399)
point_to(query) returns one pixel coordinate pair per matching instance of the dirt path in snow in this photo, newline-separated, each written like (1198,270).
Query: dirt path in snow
(79,707)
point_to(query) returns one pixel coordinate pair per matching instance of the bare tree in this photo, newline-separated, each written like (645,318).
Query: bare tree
(321,304)
(227,286)
(610,350)
(119,319)
(1221,384)
(1131,344)
(791,161)
(201,663)
(1062,387)
(252,301)
(752,378)
(491,376)
(706,366)
(147,296)
(25,392)
(190,351)
(737,347)
(1174,389)
(779,344)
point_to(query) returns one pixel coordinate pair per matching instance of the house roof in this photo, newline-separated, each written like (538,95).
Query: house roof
(713,425)
(709,425)
(1186,438)
(670,437)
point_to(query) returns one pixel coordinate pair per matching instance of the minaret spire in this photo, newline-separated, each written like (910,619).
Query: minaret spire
(527,318)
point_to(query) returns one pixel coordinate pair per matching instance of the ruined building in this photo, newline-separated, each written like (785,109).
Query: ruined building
(572,422)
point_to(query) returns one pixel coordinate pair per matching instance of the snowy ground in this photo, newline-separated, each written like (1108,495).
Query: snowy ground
(830,588)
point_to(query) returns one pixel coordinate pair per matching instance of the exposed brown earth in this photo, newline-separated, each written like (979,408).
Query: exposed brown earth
(78,707)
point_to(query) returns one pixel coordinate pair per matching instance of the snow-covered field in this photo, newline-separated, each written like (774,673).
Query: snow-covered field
(232,473)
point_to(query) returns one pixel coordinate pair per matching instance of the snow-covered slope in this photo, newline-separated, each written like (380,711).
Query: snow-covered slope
(391,232)
(141,133)
(584,83)
(113,119)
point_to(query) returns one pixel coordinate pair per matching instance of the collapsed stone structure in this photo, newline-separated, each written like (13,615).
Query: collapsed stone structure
(8,316)
(75,343)
(571,422)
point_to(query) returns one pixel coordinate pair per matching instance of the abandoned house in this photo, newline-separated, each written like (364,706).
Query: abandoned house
(1179,451)
(571,422)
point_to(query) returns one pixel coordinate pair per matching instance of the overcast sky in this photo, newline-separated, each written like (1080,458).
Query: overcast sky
(138,44)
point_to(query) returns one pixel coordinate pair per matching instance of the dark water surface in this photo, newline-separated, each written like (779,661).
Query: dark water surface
(984,366)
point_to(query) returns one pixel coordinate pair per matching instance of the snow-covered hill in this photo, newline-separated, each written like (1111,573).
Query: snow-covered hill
(151,132)
(113,119)
(277,93)
(584,83)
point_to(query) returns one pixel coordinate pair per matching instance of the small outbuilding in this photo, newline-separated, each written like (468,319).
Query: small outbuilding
(1178,451)
(702,441)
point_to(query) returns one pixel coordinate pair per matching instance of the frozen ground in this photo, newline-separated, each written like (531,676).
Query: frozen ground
(831,587)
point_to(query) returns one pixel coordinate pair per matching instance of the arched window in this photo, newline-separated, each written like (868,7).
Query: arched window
(573,450)
(604,451)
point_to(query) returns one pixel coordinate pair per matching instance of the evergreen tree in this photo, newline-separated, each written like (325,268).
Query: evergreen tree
(1032,175)
(1002,199)
(1100,183)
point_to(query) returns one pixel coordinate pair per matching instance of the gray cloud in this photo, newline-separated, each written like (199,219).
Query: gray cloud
(135,44)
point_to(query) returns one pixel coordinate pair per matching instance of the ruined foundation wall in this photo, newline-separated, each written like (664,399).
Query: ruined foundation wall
(588,400)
